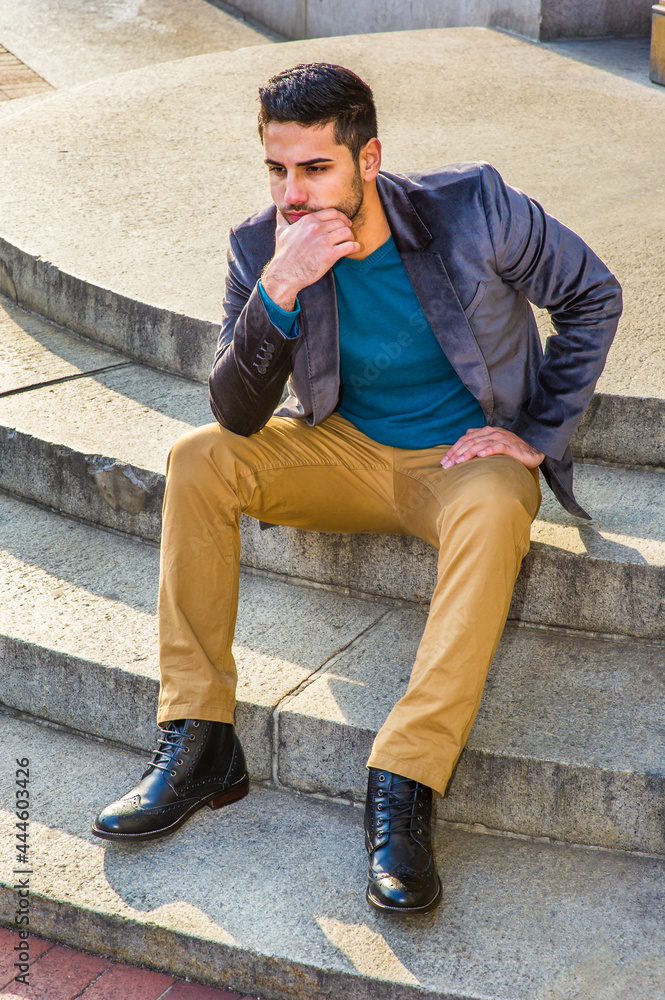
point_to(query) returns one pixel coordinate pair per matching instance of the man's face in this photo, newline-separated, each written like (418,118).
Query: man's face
(309,171)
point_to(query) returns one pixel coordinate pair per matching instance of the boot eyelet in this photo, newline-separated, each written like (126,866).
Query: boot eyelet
(173,774)
(196,725)
(382,777)
(179,761)
(185,749)
(192,738)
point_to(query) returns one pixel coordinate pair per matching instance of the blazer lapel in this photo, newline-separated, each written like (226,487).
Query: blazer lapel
(436,294)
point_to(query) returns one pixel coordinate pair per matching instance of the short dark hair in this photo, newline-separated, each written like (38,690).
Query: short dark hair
(312,94)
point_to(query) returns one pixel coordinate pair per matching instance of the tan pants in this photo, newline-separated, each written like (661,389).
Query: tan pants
(334,478)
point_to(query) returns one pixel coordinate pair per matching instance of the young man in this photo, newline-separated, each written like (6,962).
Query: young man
(420,403)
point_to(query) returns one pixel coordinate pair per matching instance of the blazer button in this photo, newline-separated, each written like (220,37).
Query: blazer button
(262,369)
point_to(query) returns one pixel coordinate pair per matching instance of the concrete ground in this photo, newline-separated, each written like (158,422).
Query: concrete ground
(627,57)
(270,892)
(69,43)
(132,182)
(59,973)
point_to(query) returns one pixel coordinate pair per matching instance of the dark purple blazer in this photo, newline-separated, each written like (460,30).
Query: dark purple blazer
(477,252)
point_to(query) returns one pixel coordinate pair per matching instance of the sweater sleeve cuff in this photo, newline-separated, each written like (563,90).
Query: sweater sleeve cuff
(283,320)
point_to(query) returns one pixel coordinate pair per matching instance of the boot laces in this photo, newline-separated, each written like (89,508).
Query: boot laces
(171,740)
(399,812)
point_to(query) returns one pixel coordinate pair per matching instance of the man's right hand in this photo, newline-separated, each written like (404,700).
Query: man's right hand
(304,251)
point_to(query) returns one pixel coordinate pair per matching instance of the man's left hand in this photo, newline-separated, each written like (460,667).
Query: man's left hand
(483,441)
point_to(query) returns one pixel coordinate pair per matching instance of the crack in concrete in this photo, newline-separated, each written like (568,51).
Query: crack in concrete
(302,685)
(63,378)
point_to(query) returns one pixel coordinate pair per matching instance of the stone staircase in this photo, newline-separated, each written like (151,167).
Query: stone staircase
(551,841)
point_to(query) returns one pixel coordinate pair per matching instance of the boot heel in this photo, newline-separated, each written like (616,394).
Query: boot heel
(238,791)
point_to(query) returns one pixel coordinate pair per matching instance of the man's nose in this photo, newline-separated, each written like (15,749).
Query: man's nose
(294,193)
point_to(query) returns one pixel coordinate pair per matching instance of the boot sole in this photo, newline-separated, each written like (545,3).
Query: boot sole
(216,800)
(406,910)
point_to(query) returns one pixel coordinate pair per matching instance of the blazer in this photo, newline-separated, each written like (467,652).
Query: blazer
(477,252)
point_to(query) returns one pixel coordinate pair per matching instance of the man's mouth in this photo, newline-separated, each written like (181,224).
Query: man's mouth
(294,216)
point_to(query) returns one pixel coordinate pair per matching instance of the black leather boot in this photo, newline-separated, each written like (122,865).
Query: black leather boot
(195,763)
(398,829)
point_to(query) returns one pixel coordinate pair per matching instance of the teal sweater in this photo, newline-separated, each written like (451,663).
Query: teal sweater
(397,385)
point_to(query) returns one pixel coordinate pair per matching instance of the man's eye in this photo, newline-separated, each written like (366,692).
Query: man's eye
(275,170)
(316,170)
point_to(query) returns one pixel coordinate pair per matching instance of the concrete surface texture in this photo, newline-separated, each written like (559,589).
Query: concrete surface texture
(554,719)
(18,104)
(518,919)
(91,597)
(68,42)
(33,350)
(318,674)
(543,19)
(576,576)
(621,58)
(96,447)
(132,183)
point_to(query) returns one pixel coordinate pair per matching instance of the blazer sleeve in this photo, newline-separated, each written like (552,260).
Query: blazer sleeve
(254,357)
(556,271)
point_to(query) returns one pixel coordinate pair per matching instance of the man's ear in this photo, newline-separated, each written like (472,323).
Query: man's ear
(370,160)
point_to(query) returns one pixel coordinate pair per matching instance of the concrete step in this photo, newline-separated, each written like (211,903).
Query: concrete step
(137,259)
(79,632)
(616,429)
(267,897)
(568,742)
(95,447)
(604,577)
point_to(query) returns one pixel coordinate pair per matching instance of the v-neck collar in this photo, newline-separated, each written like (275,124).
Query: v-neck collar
(367,263)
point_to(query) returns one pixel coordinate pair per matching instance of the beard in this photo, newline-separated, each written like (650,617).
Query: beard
(351,207)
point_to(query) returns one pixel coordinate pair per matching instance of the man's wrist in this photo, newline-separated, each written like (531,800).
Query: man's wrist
(280,291)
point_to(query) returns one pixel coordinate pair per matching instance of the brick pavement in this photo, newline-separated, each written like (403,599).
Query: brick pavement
(59,973)
(17,79)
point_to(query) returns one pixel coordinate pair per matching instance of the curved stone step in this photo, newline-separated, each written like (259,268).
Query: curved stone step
(95,447)
(267,897)
(79,635)
(568,742)
(135,257)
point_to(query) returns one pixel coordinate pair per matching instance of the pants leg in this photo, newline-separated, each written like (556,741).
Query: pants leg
(325,478)
(333,478)
(478,514)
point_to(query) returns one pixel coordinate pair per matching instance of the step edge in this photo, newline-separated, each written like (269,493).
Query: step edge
(280,977)
(75,305)
(50,292)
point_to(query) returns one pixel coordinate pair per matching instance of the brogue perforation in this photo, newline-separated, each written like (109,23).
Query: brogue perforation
(177,782)
(402,876)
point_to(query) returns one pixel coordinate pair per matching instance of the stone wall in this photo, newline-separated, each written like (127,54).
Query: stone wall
(545,20)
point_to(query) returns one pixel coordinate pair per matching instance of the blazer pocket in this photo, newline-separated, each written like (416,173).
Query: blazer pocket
(476,300)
